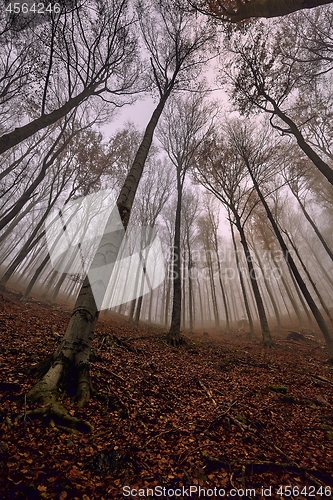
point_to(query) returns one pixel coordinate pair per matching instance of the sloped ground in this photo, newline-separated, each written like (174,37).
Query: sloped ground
(216,413)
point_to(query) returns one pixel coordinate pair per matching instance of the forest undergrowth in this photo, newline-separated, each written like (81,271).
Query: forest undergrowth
(218,412)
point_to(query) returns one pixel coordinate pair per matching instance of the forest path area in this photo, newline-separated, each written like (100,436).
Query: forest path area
(216,413)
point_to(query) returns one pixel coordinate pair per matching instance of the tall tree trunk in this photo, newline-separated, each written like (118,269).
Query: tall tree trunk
(266,334)
(246,302)
(201,305)
(69,364)
(173,336)
(190,288)
(213,291)
(18,135)
(287,289)
(35,277)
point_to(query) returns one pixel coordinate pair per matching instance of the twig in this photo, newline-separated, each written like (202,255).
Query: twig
(221,416)
(209,393)
(114,374)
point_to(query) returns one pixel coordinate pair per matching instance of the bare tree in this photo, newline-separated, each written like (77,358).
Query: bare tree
(181,132)
(256,157)
(263,78)
(221,171)
(175,46)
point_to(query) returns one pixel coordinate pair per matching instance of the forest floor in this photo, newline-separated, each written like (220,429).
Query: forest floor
(221,414)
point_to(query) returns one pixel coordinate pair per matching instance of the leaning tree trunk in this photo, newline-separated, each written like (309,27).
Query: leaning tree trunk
(287,289)
(268,288)
(291,263)
(19,134)
(68,366)
(266,334)
(314,286)
(313,225)
(306,148)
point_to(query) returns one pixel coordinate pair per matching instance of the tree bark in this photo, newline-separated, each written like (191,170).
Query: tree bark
(7,141)
(268,288)
(266,334)
(313,225)
(314,286)
(69,365)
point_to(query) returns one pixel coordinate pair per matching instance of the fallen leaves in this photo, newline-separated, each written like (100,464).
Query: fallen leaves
(164,416)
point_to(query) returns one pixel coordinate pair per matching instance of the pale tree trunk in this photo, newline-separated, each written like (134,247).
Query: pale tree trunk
(162,303)
(190,287)
(183,278)
(167,303)
(143,257)
(209,314)
(213,291)
(246,302)
(68,366)
(201,305)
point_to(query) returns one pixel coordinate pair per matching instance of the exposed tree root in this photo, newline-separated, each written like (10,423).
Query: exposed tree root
(40,369)
(55,414)
(55,376)
(174,339)
(268,343)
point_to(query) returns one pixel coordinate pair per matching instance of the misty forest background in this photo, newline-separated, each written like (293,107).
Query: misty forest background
(66,77)
(221,375)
